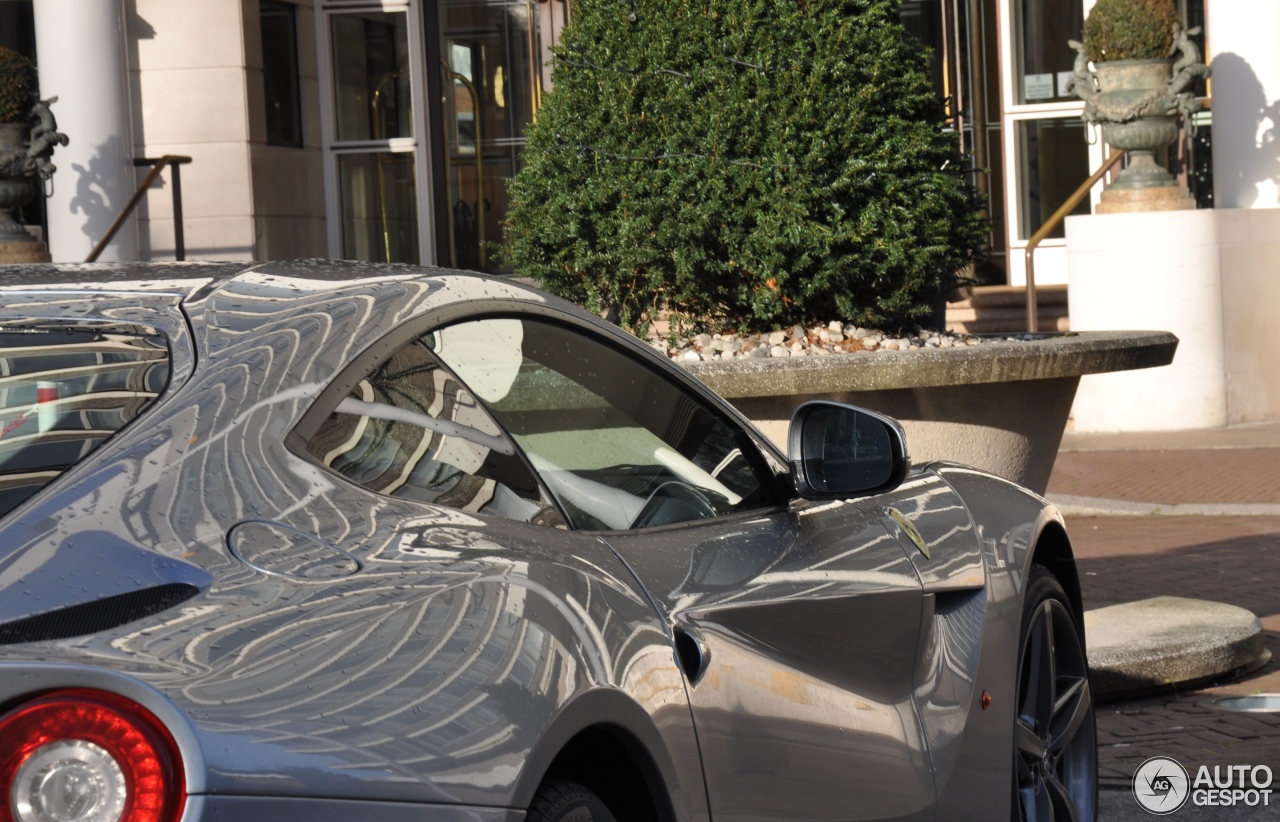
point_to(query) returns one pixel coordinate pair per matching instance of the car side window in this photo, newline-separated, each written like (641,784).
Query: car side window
(411,430)
(618,444)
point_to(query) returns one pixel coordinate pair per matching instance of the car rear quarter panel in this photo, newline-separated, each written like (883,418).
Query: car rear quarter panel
(431,674)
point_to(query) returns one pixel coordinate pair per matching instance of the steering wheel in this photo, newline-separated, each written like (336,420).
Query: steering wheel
(673,501)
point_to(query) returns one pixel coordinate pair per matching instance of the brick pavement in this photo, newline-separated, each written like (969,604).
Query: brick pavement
(1226,559)
(1226,475)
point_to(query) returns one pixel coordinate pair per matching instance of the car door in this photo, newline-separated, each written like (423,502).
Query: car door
(796,624)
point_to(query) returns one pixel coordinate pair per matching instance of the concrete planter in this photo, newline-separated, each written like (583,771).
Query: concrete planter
(1001,406)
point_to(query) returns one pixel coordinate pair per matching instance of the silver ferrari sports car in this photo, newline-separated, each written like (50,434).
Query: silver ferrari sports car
(333,541)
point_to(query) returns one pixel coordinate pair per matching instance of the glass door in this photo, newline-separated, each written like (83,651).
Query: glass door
(491,61)
(375,175)
(965,70)
(1050,151)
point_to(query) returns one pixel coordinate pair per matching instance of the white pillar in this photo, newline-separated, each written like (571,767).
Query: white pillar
(1246,102)
(1159,271)
(79,45)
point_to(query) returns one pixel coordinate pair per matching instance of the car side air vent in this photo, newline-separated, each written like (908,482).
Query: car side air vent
(99,615)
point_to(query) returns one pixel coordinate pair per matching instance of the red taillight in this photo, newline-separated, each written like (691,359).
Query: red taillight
(88,756)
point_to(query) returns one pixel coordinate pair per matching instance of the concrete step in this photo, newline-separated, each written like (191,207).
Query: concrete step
(995,309)
(1138,646)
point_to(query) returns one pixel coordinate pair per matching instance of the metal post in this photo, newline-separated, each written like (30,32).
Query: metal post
(179,243)
(171,160)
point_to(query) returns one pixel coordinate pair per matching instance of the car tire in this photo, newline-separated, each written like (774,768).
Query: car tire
(559,800)
(1055,754)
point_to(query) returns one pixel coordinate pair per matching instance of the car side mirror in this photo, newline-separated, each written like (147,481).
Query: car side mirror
(839,451)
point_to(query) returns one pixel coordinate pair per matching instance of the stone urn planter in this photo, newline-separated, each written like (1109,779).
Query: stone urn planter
(28,135)
(16,189)
(1136,94)
(1128,88)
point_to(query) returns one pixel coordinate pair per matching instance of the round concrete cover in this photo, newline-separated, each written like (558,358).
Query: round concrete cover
(1164,640)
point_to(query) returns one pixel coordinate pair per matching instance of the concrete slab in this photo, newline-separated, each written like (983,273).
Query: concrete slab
(1156,642)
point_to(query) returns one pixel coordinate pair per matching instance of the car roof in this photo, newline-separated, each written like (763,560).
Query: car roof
(191,280)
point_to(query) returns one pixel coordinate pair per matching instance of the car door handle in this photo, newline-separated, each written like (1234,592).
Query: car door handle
(691,653)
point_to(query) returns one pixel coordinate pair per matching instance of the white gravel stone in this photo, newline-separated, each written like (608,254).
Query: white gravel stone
(870,344)
(691,356)
(759,352)
(779,351)
(777,338)
(835,326)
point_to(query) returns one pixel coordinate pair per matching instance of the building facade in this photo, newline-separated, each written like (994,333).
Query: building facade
(387,129)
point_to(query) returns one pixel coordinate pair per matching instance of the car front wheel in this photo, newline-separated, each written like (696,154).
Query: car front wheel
(1055,754)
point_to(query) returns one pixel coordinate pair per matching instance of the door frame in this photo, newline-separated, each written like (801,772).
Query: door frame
(419,145)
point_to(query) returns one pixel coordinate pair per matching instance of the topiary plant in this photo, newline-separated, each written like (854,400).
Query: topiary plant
(1130,30)
(17,86)
(745,163)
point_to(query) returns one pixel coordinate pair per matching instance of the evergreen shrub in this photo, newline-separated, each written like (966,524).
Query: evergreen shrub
(17,86)
(744,164)
(1130,30)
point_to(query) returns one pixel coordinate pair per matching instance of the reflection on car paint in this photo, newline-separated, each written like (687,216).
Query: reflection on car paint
(434,673)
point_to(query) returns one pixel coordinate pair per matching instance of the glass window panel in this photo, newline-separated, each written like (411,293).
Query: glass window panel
(280,72)
(491,88)
(923,20)
(379,207)
(618,445)
(411,430)
(1054,161)
(372,99)
(62,394)
(1046,27)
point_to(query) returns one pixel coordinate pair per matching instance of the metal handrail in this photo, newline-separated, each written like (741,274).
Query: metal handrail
(1033,319)
(174,160)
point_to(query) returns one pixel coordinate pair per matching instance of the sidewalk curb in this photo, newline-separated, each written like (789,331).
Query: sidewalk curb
(1074,506)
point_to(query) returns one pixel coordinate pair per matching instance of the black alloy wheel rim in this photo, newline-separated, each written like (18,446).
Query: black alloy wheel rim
(1055,746)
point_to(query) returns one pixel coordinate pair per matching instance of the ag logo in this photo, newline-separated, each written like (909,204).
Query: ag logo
(1161,785)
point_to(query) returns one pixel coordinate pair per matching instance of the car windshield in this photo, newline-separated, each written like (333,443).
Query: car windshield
(63,392)
(617,443)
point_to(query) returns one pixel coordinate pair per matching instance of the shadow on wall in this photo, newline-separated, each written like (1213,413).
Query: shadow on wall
(1243,157)
(92,185)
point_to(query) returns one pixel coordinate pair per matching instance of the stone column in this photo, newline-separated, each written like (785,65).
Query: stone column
(80,47)
(1243,53)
